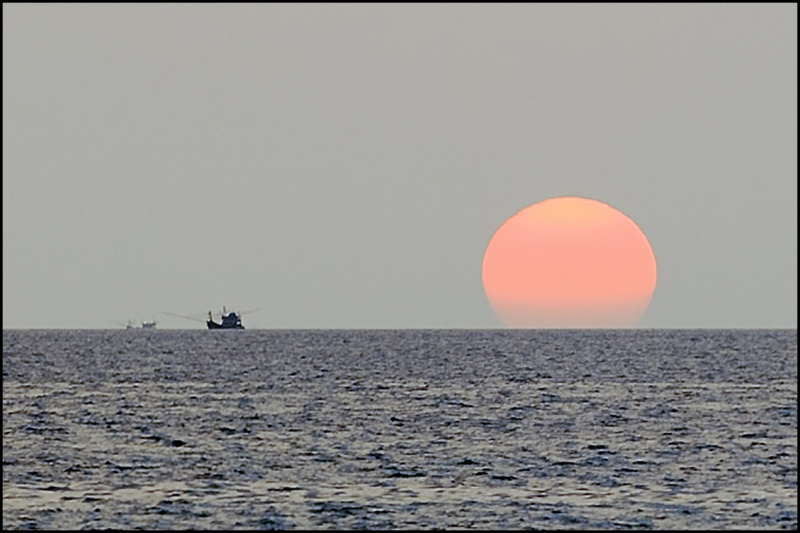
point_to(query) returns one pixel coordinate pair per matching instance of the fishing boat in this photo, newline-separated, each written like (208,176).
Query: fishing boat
(229,321)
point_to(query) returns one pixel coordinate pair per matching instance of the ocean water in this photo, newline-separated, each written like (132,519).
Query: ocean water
(400,429)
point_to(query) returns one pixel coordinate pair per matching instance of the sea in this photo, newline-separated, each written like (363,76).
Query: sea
(400,429)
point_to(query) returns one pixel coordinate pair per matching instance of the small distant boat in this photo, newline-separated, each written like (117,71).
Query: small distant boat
(142,325)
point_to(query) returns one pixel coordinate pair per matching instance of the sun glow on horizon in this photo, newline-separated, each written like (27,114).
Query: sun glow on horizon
(569,262)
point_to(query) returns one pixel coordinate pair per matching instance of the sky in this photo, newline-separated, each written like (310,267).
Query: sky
(345,165)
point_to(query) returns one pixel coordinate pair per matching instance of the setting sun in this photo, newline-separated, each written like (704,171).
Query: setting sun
(569,263)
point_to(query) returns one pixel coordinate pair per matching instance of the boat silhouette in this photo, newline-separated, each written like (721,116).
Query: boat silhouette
(132,324)
(227,320)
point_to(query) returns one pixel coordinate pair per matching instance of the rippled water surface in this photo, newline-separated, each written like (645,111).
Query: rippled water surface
(401,429)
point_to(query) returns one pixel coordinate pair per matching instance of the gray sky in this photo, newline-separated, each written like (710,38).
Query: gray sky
(344,166)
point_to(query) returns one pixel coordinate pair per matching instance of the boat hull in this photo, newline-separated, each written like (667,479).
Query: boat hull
(213,325)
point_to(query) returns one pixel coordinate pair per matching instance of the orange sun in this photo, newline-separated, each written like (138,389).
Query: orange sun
(569,263)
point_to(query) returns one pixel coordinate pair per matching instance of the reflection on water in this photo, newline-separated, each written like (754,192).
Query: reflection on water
(400,429)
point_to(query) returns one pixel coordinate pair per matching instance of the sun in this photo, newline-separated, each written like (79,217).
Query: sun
(569,262)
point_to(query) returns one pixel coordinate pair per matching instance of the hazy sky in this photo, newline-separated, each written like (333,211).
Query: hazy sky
(344,166)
